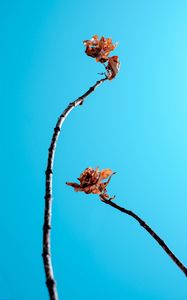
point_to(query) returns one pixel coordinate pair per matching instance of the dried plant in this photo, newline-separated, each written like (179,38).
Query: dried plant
(90,181)
(100,53)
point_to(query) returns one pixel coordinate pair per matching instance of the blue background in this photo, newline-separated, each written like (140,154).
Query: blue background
(135,125)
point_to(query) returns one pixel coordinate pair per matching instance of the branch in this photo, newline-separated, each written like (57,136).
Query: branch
(151,232)
(50,280)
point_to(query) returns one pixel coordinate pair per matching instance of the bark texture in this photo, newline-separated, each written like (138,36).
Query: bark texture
(50,280)
(150,231)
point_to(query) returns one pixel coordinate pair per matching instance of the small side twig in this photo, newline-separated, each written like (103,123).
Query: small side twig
(50,280)
(150,231)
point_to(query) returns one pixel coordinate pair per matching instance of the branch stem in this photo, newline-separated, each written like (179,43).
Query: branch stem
(151,232)
(50,280)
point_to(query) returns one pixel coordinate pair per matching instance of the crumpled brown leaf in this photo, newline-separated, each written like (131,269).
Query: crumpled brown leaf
(91,182)
(105,173)
(99,49)
(113,67)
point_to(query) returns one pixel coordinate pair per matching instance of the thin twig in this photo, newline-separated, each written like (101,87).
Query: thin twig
(50,280)
(151,232)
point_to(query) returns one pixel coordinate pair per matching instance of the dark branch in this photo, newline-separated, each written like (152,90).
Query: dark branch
(50,281)
(151,232)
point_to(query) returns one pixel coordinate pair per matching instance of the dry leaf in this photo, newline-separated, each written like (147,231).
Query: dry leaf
(99,49)
(105,173)
(91,182)
(113,67)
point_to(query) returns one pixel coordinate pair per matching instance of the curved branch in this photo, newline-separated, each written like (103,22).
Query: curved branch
(50,281)
(151,232)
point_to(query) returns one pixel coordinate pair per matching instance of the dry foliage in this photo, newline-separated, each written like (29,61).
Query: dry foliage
(91,182)
(100,50)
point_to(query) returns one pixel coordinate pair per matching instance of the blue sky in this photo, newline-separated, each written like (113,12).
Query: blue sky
(136,125)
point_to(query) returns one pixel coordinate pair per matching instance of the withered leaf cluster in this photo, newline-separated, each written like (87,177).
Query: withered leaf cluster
(100,50)
(91,182)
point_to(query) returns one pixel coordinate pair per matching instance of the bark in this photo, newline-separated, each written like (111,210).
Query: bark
(150,231)
(50,280)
